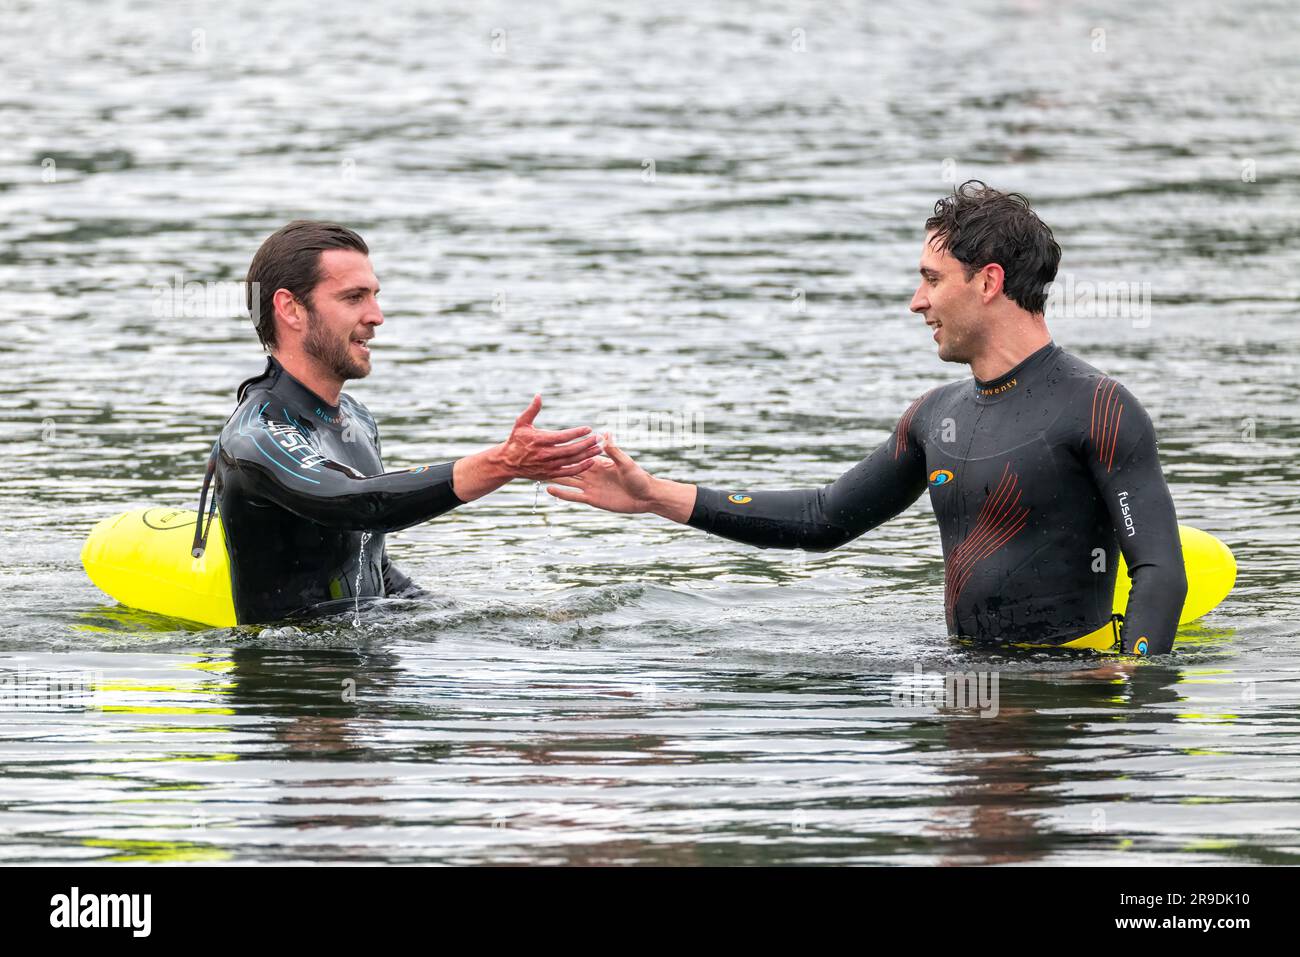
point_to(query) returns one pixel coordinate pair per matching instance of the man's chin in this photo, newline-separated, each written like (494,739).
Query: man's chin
(948,354)
(347,366)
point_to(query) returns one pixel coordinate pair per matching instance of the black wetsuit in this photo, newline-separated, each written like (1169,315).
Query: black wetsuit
(1035,478)
(298,483)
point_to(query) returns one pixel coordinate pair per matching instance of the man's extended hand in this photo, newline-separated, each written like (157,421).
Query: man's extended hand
(617,484)
(539,455)
(529,453)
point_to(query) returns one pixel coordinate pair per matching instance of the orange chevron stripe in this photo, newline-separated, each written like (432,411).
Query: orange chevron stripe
(992,502)
(991,541)
(1103,431)
(1114,439)
(979,540)
(905,423)
(1108,424)
(1000,519)
(1020,520)
(1096,394)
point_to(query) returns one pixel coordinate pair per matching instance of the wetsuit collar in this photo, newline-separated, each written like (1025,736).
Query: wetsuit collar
(277,379)
(1015,378)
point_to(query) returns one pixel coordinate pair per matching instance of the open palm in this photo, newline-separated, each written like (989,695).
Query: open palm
(614,482)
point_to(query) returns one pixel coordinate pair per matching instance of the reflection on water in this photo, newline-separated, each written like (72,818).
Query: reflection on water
(462,750)
(704,219)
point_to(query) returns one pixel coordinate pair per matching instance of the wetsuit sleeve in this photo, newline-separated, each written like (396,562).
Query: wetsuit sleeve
(819,519)
(396,584)
(1123,457)
(274,463)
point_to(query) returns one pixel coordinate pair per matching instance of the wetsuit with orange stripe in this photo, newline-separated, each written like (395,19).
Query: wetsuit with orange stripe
(1038,479)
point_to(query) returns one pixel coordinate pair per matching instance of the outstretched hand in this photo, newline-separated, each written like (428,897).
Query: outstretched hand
(613,482)
(540,455)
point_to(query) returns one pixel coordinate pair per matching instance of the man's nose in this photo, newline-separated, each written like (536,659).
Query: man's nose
(375,315)
(919,302)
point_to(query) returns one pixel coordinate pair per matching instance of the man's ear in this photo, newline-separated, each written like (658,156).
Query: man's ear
(992,282)
(289,310)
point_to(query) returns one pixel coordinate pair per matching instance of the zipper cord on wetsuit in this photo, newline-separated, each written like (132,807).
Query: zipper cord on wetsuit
(201,530)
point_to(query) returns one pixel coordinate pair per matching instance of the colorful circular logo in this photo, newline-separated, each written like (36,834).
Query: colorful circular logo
(1141,646)
(739,499)
(940,477)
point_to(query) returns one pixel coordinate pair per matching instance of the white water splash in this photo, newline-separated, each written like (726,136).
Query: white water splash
(356,589)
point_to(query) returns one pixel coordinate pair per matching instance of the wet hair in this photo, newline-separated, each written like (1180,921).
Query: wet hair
(979,225)
(290,259)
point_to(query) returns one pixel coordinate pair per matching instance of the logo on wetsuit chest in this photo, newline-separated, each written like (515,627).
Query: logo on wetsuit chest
(940,477)
(291,440)
(1004,387)
(739,499)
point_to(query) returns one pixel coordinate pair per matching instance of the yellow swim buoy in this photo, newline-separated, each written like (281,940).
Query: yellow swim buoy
(1211,573)
(142,559)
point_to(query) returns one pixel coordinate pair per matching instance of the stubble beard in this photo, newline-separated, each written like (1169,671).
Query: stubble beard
(334,354)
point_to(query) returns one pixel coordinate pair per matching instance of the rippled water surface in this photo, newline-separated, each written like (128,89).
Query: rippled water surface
(706,212)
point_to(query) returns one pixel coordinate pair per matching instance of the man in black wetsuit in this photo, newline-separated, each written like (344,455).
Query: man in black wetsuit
(1039,468)
(303,497)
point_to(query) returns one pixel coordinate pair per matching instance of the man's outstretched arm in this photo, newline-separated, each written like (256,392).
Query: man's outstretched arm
(1123,458)
(816,519)
(274,464)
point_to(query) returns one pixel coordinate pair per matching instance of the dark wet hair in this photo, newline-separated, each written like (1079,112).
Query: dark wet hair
(979,225)
(290,259)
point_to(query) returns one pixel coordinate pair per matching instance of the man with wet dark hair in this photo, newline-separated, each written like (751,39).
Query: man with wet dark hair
(303,496)
(1040,468)
(979,225)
